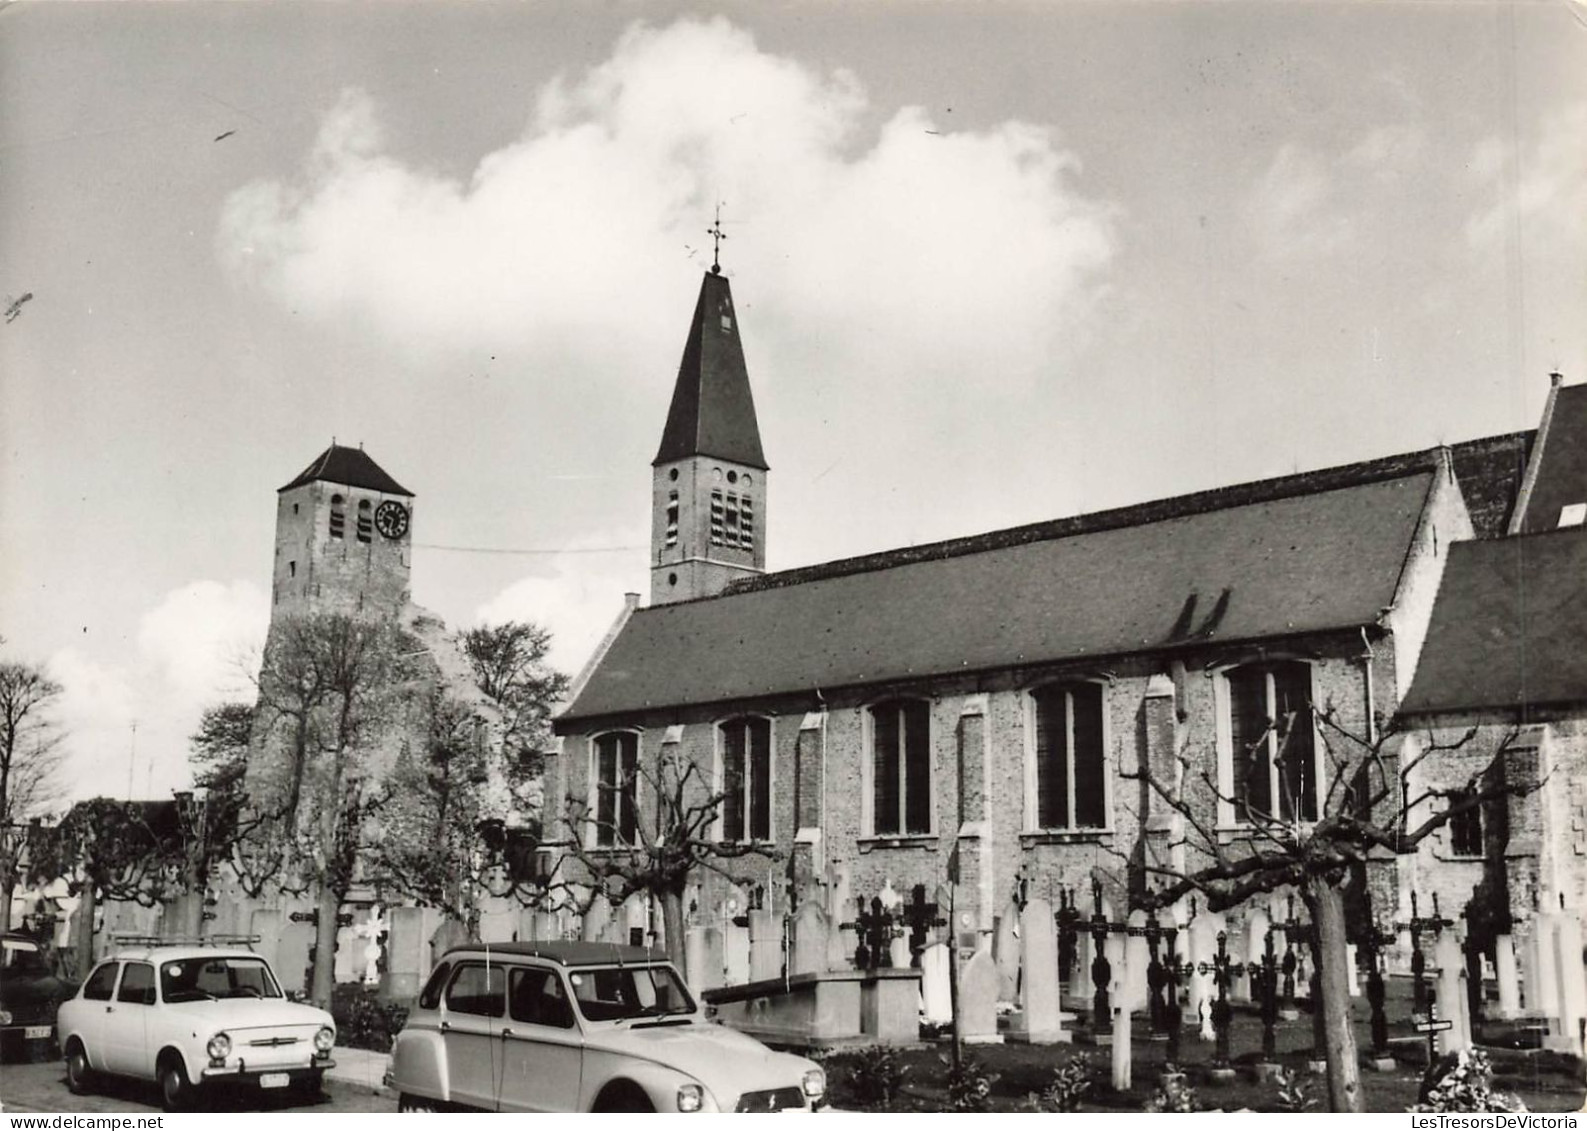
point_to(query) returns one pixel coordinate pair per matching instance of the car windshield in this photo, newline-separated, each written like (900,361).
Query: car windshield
(204,979)
(19,958)
(621,993)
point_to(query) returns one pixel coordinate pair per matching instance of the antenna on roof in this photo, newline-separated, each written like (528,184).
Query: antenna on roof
(717,236)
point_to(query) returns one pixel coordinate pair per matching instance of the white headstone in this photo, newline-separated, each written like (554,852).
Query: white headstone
(978,981)
(936,1000)
(1451,993)
(1572,982)
(765,945)
(735,951)
(1005,950)
(811,939)
(1121,1043)
(1542,992)
(1203,947)
(1505,973)
(1256,926)
(1039,1004)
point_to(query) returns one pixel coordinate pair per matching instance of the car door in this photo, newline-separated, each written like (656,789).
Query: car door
(471,1018)
(127,1023)
(541,1045)
(96,1006)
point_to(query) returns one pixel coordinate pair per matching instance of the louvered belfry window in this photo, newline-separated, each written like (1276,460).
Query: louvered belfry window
(1071,789)
(901,768)
(366,521)
(338,517)
(616,787)
(1272,741)
(717,507)
(746,779)
(672,518)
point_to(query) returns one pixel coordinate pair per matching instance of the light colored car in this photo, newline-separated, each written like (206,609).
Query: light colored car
(187,1016)
(581,1027)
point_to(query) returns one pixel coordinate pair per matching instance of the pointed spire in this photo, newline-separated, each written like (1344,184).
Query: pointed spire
(713,411)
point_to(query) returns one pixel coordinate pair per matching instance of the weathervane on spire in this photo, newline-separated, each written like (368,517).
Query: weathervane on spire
(717,236)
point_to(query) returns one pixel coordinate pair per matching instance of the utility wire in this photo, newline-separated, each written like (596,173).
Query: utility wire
(507,550)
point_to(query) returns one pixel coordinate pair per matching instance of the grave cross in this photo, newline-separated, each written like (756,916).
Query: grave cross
(1221,1013)
(1374,939)
(1067,918)
(1101,968)
(1293,930)
(1420,994)
(1265,976)
(1174,1013)
(875,928)
(1156,973)
(921,916)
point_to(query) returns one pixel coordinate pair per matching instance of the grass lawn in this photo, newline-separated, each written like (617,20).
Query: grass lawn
(1545,1082)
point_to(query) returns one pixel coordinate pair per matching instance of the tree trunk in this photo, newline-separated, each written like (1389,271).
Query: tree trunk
(1326,903)
(672,924)
(83,940)
(5,905)
(324,980)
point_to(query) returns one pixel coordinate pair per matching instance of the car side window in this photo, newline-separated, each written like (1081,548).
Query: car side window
(536,996)
(431,997)
(479,989)
(137,984)
(101,982)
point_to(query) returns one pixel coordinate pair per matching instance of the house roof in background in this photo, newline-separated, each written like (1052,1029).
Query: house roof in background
(1509,628)
(1561,461)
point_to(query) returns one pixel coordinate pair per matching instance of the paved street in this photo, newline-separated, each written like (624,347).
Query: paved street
(42,1087)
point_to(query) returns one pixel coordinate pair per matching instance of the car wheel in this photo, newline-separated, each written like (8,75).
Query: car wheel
(79,1076)
(407,1103)
(624,1097)
(175,1091)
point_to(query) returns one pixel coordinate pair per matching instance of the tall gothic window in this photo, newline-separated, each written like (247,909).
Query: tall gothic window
(1071,787)
(616,788)
(901,768)
(338,517)
(746,779)
(1272,742)
(1465,828)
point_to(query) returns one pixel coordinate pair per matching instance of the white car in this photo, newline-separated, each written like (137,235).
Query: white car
(189,1016)
(581,1027)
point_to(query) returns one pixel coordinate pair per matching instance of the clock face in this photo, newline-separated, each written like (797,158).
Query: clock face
(391,519)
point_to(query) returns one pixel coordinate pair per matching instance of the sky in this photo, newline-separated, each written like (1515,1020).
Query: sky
(994,263)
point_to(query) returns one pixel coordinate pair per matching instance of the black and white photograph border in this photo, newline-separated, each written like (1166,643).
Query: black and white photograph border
(863,557)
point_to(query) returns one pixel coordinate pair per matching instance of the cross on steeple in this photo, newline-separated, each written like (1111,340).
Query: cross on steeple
(717,236)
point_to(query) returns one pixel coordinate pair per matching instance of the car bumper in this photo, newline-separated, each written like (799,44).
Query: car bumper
(269,1076)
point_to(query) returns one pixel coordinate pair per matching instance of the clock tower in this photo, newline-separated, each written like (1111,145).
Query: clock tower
(344,539)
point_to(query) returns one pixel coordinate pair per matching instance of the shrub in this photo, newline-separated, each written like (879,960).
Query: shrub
(1174,1095)
(877,1076)
(969,1084)
(1294,1091)
(1463,1082)
(363,1021)
(1070,1081)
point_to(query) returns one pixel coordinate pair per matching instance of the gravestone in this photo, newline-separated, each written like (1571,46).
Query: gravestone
(936,1000)
(1350,970)
(1080,986)
(841,941)
(811,939)
(1505,973)
(597,920)
(1121,1041)
(735,952)
(1203,948)
(405,958)
(1572,1009)
(1039,1020)
(1137,957)
(978,985)
(1451,965)
(1256,927)
(1005,951)
(765,946)
(349,963)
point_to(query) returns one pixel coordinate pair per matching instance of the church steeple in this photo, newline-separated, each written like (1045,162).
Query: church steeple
(709,477)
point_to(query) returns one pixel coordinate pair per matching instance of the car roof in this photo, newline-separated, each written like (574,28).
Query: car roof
(175,953)
(565,953)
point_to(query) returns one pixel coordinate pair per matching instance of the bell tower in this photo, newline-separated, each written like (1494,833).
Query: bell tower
(344,539)
(708,507)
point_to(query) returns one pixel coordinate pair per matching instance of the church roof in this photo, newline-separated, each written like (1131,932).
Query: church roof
(1304,553)
(713,411)
(1508,626)
(1561,461)
(350,467)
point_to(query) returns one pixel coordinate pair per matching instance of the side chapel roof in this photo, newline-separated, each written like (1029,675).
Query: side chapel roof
(1304,553)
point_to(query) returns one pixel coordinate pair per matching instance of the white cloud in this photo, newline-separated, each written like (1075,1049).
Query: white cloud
(127,727)
(577,595)
(1294,208)
(1548,200)
(933,234)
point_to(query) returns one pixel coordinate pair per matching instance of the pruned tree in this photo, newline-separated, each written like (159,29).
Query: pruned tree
(30,761)
(510,669)
(1374,806)
(651,829)
(328,686)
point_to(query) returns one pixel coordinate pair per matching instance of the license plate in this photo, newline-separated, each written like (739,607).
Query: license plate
(274,1080)
(35,1032)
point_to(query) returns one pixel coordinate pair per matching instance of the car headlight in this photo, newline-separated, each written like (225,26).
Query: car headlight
(324,1040)
(814,1084)
(219,1046)
(690,1097)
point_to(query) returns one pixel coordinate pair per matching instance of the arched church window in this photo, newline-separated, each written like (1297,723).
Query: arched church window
(746,779)
(1068,751)
(1272,742)
(616,788)
(900,768)
(338,517)
(366,521)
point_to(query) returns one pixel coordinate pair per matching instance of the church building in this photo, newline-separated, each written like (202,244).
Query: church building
(999,706)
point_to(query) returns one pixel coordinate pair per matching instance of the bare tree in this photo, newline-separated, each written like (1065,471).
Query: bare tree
(650,832)
(1372,809)
(30,760)
(327,686)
